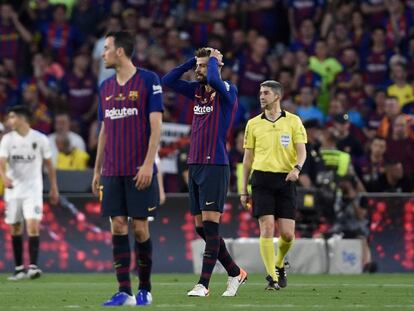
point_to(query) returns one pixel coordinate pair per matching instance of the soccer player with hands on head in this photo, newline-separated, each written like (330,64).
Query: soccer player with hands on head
(215,104)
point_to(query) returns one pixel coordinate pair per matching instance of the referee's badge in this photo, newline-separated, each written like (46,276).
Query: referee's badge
(285,140)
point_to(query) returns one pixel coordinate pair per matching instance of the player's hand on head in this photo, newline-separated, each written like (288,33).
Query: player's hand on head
(144,177)
(217,54)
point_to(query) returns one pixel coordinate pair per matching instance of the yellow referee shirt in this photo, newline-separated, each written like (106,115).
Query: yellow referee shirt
(273,143)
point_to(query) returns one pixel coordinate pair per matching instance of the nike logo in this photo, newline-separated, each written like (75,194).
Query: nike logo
(150,209)
(209,203)
(108,97)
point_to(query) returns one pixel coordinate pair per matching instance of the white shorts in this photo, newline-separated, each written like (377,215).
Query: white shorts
(18,210)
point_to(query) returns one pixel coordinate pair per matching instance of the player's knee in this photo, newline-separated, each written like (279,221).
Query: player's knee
(32,231)
(141,234)
(16,229)
(119,226)
(141,230)
(287,236)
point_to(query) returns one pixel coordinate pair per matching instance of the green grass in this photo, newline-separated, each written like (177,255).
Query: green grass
(304,292)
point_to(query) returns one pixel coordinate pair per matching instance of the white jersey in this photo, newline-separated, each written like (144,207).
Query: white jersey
(25,155)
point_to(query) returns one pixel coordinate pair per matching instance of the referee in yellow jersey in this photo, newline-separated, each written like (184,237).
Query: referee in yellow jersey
(274,144)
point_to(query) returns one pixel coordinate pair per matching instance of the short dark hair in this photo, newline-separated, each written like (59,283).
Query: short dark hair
(277,87)
(203,52)
(123,39)
(21,110)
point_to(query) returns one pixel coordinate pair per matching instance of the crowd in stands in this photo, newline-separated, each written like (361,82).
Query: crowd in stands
(347,68)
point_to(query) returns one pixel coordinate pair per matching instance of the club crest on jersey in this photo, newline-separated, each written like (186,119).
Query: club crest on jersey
(34,145)
(120,97)
(133,95)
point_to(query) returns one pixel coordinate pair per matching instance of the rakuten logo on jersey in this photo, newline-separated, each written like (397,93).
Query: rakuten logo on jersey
(200,110)
(120,113)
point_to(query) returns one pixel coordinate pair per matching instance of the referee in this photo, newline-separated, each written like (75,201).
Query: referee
(274,143)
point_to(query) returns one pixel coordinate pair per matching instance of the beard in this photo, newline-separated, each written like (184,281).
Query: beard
(201,79)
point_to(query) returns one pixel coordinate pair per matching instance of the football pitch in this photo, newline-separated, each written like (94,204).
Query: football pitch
(304,292)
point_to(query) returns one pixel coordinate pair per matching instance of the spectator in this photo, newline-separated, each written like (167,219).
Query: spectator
(375,62)
(400,88)
(392,110)
(327,68)
(62,126)
(375,11)
(41,115)
(85,18)
(69,157)
(400,147)
(306,109)
(307,38)
(113,23)
(80,92)
(373,119)
(12,32)
(251,70)
(299,10)
(59,36)
(345,140)
(393,179)
(371,166)
(202,18)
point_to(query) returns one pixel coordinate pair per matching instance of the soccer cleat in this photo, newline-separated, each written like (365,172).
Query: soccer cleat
(281,277)
(34,272)
(18,275)
(198,291)
(233,283)
(120,299)
(144,298)
(272,285)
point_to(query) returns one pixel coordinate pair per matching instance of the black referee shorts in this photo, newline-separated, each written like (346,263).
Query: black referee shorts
(272,195)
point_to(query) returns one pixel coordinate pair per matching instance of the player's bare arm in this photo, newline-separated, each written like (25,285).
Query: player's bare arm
(8,183)
(51,173)
(98,161)
(301,155)
(144,176)
(247,168)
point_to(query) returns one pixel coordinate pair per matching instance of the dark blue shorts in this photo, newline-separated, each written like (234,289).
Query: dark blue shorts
(121,198)
(208,185)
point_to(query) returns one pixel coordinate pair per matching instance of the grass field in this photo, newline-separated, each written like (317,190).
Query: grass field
(304,292)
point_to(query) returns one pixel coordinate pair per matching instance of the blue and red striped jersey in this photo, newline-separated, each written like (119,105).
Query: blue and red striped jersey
(213,112)
(9,43)
(125,112)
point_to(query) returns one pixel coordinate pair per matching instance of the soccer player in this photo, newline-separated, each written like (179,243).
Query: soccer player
(215,103)
(274,143)
(130,113)
(22,153)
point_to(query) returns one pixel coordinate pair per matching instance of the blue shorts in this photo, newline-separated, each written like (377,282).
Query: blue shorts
(120,197)
(208,185)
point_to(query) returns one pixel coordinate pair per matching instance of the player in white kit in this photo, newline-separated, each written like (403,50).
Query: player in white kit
(22,153)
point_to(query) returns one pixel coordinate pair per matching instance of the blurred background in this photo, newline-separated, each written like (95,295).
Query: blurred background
(348,72)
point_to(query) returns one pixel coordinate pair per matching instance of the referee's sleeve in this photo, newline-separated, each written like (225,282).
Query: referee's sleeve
(299,136)
(248,137)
